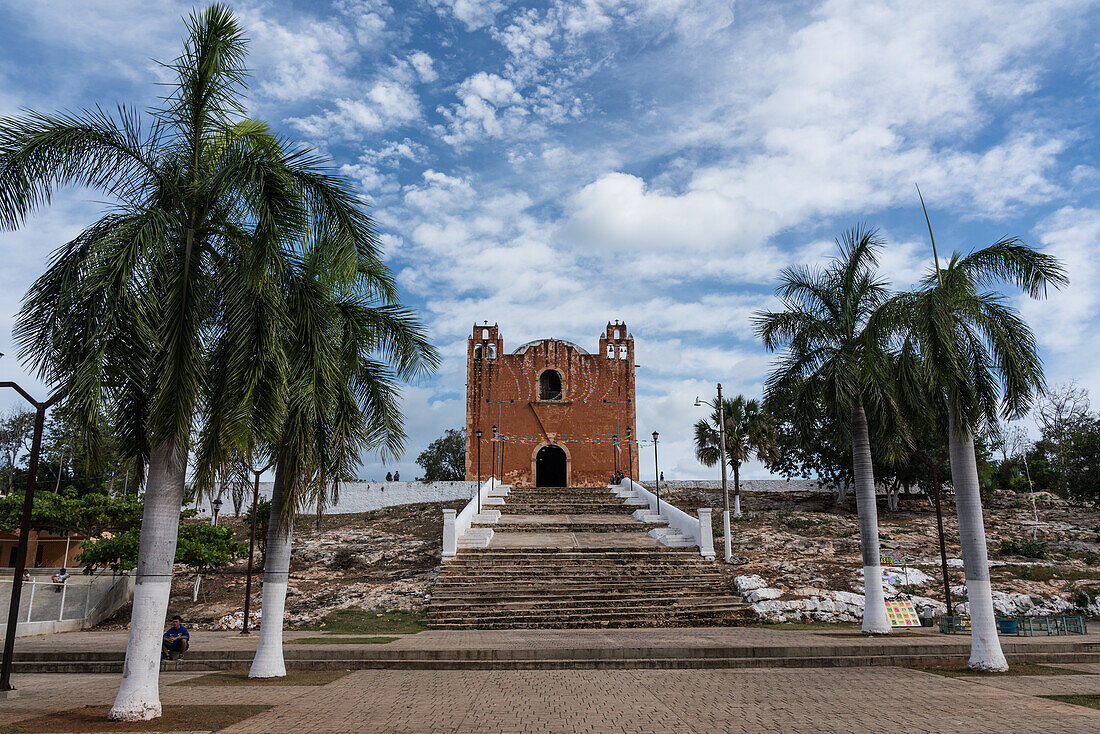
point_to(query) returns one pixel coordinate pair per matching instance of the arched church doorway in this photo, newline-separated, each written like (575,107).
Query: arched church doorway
(550,467)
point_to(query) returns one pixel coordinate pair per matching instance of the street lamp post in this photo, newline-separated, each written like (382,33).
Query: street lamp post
(656,474)
(500,424)
(494,472)
(629,455)
(615,453)
(727,540)
(215,509)
(478,434)
(251,544)
(24,532)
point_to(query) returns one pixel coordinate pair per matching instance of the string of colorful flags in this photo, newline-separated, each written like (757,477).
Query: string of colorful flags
(518,439)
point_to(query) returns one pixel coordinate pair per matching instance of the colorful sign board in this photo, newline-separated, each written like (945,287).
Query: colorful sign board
(892,560)
(902,613)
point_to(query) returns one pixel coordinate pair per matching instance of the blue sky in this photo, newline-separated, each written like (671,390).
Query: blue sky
(552,166)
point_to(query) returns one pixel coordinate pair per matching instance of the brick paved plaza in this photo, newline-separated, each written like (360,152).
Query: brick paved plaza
(800,700)
(810,699)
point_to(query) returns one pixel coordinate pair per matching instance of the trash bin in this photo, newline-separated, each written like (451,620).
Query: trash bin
(1007,626)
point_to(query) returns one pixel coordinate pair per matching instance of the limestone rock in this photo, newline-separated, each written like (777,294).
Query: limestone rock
(745,584)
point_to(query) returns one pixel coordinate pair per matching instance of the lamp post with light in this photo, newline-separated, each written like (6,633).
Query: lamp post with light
(629,455)
(478,434)
(40,408)
(215,508)
(494,471)
(252,543)
(656,473)
(727,541)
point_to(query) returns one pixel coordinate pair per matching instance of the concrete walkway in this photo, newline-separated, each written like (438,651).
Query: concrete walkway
(758,639)
(801,701)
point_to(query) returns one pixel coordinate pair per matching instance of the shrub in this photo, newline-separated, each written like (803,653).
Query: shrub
(1024,547)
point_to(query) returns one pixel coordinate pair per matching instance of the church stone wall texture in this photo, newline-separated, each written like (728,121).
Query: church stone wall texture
(595,404)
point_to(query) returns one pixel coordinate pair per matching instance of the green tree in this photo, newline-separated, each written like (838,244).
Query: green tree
(444,460)
(66,511)
(179,275)
(199,546)
(750,432)
(974,355)
(16,431)
(837,359)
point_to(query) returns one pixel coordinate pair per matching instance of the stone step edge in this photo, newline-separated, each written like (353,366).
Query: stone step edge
(563,664)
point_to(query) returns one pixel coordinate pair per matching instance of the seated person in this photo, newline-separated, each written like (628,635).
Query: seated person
(59,580)
(176,640)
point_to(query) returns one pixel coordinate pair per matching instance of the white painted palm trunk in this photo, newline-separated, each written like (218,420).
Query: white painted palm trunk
(268,661)
(985,647)
(727,539)
(737,505)
(875,620)
(139,693)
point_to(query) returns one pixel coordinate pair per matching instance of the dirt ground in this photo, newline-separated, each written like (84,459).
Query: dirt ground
(389,559)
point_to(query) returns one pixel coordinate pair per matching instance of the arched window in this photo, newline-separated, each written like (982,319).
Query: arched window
(484,334)
(492,351)
(622,351)
(477,351)
(550,385)
(616,336)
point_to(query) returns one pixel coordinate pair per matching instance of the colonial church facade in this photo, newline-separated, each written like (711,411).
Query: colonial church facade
(550,413)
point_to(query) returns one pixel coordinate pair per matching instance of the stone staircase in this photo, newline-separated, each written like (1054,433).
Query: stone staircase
(578,557)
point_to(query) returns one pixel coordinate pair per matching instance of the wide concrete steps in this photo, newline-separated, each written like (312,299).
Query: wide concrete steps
(578,557)
(565,523)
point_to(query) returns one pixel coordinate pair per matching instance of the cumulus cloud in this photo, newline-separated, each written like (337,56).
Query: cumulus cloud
(489,107)
(473,14)
(422,62)
(386,104)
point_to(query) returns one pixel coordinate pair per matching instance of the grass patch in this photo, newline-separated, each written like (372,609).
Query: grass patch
(361,622)
(1049,573)
(958,669)
(803,523)
(342,640)
(1024,547)
(174,718)
(240,678)
(1093,702)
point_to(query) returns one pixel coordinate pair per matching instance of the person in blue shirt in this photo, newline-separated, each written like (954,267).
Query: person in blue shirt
(176,640)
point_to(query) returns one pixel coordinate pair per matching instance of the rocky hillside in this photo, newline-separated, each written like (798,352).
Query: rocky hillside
(802,549)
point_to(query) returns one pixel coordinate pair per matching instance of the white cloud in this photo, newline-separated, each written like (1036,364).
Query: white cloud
(422,62)
(473,14)
(386,104)
(1065,321)
(489,107)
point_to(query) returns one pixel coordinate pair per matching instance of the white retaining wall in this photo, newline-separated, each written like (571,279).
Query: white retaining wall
(747,485)
(366,496)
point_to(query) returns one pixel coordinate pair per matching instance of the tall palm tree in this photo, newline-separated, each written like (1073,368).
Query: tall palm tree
(347,342)
(969,347)
(837,359)
(750,432)
(127,315)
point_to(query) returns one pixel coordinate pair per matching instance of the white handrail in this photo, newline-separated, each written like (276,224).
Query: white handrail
(455,526)
(697,528)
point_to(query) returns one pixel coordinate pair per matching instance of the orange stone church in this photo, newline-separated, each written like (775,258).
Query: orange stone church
(562,417)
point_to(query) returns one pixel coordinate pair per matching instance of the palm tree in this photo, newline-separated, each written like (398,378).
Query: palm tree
(837,359)
(974,354)
(750,432)
(128,314)
(347,342)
